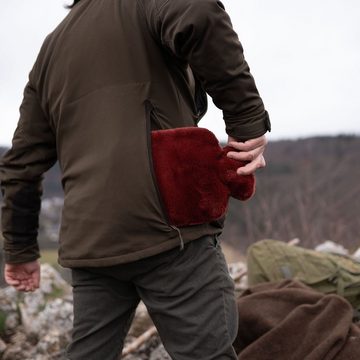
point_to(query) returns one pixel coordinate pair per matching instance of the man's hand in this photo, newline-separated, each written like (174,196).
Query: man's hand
(250,150)
(24,276)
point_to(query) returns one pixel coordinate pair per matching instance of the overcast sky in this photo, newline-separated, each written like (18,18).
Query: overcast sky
(304,55)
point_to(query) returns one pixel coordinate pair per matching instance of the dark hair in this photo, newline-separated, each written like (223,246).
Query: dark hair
(73,4)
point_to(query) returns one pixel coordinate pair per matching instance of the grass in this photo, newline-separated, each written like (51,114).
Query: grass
(2,322)
(56,293)
(49,256)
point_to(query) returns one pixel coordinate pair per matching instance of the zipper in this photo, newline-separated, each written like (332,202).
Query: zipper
(149,108)
(157,122)
(200,100)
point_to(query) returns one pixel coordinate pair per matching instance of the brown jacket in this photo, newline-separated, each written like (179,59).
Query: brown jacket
(110,72)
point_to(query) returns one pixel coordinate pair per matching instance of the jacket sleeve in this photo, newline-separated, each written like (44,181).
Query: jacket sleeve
(33,152)
(200,32)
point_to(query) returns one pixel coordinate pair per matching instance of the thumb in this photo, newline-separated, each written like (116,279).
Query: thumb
(33,269)
(36,277)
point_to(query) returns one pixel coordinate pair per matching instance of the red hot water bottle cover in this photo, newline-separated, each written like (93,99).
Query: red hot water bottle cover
(194,176)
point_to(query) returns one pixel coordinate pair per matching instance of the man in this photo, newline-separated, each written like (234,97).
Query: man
(108,74)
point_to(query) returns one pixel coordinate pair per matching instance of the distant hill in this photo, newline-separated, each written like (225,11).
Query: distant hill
(310,189)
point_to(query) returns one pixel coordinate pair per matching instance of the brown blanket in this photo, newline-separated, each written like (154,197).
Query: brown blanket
(290,321)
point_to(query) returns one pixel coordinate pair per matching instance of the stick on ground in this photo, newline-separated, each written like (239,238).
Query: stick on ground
(139,341)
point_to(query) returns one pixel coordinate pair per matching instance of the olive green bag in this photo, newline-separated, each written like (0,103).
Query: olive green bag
(271,260)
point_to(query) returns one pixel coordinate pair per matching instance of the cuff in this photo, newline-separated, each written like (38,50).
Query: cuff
(23,255)
(242,131)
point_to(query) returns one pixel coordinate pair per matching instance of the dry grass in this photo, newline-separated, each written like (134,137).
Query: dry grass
(49,256)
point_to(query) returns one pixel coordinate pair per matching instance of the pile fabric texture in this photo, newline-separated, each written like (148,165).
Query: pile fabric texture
(195,176)
(290,321)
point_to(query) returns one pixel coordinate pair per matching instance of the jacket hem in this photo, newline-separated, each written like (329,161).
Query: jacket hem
(141,254)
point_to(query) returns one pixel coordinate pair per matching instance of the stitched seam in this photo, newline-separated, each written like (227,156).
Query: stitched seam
(159,18)
(115,84)
(223,297)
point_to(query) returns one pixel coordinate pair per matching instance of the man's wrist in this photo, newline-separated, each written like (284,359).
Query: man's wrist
(22,255)
(249,130)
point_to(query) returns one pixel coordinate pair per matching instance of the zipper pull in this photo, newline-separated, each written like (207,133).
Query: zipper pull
(181,239)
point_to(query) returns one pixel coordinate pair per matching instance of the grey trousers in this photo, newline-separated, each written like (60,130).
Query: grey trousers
(189,295)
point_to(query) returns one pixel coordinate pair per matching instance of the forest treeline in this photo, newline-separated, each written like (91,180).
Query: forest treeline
(310,189)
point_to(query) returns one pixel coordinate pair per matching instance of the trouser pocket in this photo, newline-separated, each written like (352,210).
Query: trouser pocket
(212,241)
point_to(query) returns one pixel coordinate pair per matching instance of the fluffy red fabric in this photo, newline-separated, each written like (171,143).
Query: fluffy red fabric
(194,176)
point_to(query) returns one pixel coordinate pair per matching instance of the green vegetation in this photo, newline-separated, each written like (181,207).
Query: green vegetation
(2,322)
(49,256)
(56,293)
(309,190)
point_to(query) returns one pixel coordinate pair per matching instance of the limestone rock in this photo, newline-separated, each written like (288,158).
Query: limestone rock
(37,325)
(356,254)
(332,247)
(44,307)
(2,346)
(141,322)
(9,315)
(160,354)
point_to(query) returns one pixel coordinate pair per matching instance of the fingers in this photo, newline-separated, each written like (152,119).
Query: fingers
(26,286)
(251,167)
(12,282)
(246,155)
(36,278)
(23,276)
(248,150)
(32,283)
(20,285)
(249,145)
(22,281)
(252,151)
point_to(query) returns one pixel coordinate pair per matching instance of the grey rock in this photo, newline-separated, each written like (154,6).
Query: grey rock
(332,248)
(44,308)
(9,309)
(2,346)
(42,331)
(141,322)
(160,354)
